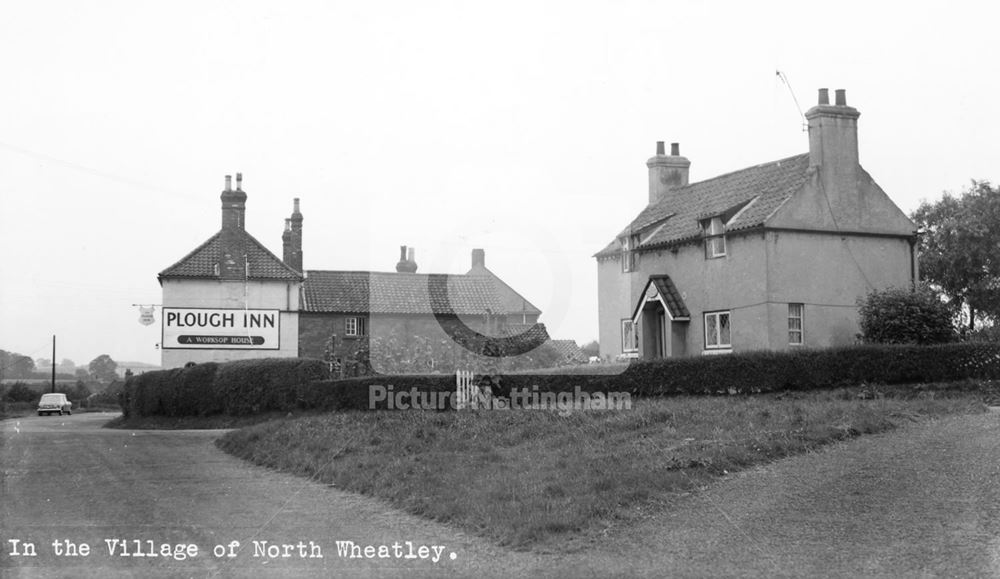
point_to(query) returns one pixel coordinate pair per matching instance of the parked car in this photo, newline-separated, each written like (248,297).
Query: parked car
(54,404)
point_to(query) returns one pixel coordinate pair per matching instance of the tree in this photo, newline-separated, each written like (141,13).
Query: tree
(960,249)
(82,374)
(80,391)
(905,316)
(67,366)
(591,349)
(103,368)
(20,392)
(13,365)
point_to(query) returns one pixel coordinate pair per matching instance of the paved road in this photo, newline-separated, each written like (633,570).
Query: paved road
(923,501)
(65,478)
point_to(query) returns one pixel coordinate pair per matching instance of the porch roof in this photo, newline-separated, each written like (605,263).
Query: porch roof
(667,293)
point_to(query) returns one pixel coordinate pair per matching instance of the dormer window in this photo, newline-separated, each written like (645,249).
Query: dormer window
(715,238)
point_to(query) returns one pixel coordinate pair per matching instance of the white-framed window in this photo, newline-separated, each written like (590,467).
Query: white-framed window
(630,338)
(628,256)
(796,324)
(355,326)
(715,238)
(718,334)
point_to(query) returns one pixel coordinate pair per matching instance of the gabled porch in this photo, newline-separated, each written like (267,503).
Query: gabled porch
(661,319)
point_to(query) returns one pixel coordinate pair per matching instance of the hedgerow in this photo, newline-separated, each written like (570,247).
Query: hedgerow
(253,386)
(235,388)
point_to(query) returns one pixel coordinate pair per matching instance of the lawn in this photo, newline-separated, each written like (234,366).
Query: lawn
(538,479)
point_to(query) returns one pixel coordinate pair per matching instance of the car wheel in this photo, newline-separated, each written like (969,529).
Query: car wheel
(60,413)
(41,413)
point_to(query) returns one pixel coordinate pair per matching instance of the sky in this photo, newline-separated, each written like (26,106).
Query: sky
(519,127)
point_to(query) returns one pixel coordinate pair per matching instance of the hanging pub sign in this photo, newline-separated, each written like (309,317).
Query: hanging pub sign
(146,315)
(220,329)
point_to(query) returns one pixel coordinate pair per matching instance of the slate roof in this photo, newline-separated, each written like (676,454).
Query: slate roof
(750,194)
(201,262)
(398,293)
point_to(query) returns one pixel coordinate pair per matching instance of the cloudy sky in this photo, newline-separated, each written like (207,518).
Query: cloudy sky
(519,127)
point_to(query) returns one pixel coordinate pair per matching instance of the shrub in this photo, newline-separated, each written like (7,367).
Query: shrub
(235,388)
(904,316)
(983,334)
(21,392)
(252,386)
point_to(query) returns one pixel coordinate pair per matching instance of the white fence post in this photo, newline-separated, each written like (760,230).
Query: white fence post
(466,391)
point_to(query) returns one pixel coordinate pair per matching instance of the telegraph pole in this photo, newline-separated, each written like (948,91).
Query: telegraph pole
(53,362)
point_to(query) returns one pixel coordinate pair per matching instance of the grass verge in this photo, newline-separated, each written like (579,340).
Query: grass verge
(213,422)
(535,478)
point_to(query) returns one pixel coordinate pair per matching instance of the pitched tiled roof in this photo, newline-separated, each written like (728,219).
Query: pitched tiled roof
(752,194)
(201,262)
(671,297)
(513,301)
(667,291)
(398,293)
(569,349)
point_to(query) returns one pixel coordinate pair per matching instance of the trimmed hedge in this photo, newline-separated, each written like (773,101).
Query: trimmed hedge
(252,386)
(810,369)
(235,388)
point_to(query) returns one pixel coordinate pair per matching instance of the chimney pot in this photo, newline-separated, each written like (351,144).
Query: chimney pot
(402,253)
(841,95)
(295,205)
(229,182)
(409,255)
(659,148)
(675,149)
(824,96)
(239,181)
(288,224)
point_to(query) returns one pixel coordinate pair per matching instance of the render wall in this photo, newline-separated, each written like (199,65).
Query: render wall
(237,295)
(760,275)
(736,282)
(828,273)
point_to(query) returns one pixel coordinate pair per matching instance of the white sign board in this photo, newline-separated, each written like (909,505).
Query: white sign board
(146,315)
(221,329)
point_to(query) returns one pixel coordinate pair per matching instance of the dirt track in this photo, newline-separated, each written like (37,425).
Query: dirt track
(923,501)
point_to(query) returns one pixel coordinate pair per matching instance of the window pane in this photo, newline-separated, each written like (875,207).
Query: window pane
(629,341)
(794,337)
(723,329)
(794,323)
(711,330)
(715,246)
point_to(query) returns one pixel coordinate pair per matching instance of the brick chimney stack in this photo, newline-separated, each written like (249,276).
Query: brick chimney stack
(233,203)
(478,258)
(666,172)
(232,264)
(286,243)
(833,150)
(293,255)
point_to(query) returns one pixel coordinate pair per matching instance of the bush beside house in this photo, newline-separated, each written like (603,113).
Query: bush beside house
(906,316)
